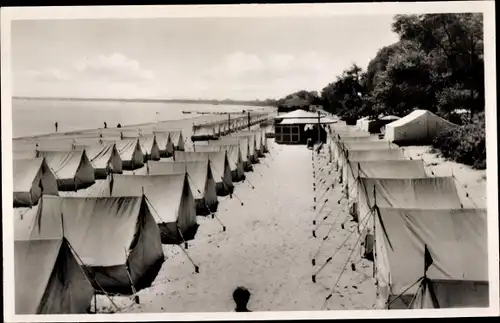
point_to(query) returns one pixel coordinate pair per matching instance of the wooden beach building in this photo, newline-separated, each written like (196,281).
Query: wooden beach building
(297,126)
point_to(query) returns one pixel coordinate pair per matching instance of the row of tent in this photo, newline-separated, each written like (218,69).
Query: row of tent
(419,126)
(215,129)
(115,227)
(409,221)
(78,161)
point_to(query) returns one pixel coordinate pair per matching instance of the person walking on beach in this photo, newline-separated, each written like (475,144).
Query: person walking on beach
(241,296)
(57,126)
(105,125)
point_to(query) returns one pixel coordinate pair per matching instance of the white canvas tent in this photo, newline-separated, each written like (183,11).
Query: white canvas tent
(105,159)
(241,142)
(256,137)
(367,155)
(252,151)
(48,279)
(220,168)
(233,155)
(429,192)
(171,200)
(116,238)
(72,169)
(32,178)
(177,139)
(390,169)
(457,242)
(130,153)
(149,147)
(418,126)
(165,145)
(200,173)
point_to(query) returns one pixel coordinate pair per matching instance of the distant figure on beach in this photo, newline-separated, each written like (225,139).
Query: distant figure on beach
(57,125)
(119,126)
(241,296)
(105,125)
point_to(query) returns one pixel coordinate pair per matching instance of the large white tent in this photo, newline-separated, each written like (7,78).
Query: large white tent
(199,172)
(220,167)
(116,238)
(233,155)
(73,169)
(170,198)
(48,279)
(418,126)
(32,178)
(455,239)
(105,159)
(130,153)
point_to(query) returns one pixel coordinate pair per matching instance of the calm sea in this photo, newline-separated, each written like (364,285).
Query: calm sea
(34,117)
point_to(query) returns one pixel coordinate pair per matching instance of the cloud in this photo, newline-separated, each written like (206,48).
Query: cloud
(113,68)
(49,75)
(239,65)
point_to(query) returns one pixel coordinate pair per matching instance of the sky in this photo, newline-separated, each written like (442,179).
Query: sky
(209,58)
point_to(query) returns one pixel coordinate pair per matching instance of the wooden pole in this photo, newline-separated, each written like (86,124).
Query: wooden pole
(319,126)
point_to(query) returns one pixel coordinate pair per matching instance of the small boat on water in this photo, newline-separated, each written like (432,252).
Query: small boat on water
(186,112)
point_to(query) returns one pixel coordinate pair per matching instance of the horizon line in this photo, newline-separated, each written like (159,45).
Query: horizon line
(140,99)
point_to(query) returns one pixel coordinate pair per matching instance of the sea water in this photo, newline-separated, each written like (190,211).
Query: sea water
(35,117)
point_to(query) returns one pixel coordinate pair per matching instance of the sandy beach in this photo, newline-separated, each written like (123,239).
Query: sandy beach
(267,247)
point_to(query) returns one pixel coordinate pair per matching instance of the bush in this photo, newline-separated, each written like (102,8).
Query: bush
(465,144)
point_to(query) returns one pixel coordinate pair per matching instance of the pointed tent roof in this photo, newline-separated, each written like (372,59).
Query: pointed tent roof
(378,154)
(164,192)
(100,154)
(197,170)
(48,279)
(91,226)
(217,159)
(126,148)
(64,164)
(241,142)
(250,140)
(372,145)
(418,125)
(25,172)
(231,150)
(389,169)
(456,239)
(147,143)
(431,192)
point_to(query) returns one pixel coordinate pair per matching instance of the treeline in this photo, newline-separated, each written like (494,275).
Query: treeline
(311,97)
(268,102)
(436,65)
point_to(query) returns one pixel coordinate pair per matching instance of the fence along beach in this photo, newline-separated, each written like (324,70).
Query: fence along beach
(306,240)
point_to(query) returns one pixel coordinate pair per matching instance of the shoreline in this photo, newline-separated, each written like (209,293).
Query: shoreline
(205,118)
(144,100)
